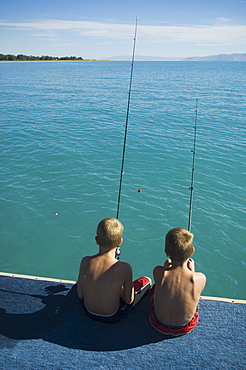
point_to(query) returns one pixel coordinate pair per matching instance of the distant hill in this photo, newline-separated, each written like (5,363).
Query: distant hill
(220,58)
(210,58)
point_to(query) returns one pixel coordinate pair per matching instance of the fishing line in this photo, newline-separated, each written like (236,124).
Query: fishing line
(126,127)
(192,169)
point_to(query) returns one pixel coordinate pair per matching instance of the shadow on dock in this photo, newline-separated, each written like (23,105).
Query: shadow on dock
(42,325)
(57,316)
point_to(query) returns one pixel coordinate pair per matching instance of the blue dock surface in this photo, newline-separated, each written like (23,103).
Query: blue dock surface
(42,326)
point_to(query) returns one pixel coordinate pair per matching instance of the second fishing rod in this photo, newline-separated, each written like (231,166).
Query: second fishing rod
(193,169)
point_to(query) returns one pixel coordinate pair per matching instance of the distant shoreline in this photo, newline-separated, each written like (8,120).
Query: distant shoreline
(43,58)
(118,60)
(41,61)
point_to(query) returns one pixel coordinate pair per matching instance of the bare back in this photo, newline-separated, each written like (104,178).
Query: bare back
(177,292)
(102,280)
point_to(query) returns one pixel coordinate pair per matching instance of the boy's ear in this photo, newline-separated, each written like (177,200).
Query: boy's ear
(96,239)
(193,251)
(121,241)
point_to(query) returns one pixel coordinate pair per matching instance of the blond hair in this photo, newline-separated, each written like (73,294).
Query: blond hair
(178,245)
(109,232)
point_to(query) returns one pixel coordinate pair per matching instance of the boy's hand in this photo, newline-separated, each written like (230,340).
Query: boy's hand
(191,264)
(167,264)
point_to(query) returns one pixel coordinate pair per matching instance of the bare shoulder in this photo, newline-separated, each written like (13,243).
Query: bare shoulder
(84,265)
(200,279)
(199,276)
(85,260)
(124,266)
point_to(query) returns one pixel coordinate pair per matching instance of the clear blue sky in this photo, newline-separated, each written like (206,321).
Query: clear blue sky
(105,28)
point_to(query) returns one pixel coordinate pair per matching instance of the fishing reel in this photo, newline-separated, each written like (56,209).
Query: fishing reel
(117,253)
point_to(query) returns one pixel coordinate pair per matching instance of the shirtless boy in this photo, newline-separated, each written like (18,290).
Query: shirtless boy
(104,283)
(177,286)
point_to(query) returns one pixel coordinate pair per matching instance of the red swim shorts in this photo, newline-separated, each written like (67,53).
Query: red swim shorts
(172,330)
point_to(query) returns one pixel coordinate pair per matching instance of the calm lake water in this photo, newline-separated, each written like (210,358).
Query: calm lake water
(62,127)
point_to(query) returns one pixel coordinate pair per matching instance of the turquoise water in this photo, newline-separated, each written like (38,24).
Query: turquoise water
(62,135)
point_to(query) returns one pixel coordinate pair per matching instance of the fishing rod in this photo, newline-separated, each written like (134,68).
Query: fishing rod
(126,127)
(192,169)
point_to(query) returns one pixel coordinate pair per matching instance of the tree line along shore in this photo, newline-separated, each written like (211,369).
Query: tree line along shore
(22,57)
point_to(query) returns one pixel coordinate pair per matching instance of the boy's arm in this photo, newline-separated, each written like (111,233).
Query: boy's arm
(127,290)
(200,280)
(167,264)
(158,273)
(79,283)
(199,277)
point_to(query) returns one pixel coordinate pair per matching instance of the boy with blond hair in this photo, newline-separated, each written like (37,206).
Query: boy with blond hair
(177,289)
(104,283)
